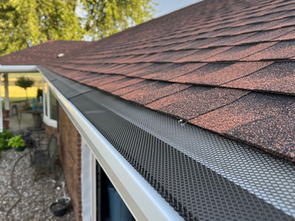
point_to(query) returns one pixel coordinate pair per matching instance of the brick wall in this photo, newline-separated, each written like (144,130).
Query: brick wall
(50,130)
(70,157)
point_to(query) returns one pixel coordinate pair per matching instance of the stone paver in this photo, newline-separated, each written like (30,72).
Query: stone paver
(37,196)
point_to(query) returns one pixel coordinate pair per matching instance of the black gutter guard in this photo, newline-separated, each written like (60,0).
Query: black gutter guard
(203,176)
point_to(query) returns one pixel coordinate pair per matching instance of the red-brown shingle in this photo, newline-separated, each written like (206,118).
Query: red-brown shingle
(196,101)
(238,52)
(281,50)
(263,120)
(153,92)
(242,53)
(278,77)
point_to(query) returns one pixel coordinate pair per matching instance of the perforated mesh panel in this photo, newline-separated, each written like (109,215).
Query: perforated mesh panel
(202,175)
(194,190)
(268,177)
(49,75)
(70,90)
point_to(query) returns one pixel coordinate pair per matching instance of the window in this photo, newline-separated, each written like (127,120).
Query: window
(50,106)
(45,97)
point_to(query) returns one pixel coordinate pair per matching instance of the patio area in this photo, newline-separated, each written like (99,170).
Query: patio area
(16,124)
(22,197)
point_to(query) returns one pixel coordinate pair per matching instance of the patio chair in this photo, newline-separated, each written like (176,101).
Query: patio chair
(43,160)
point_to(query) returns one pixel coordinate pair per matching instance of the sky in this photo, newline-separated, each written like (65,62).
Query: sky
(167,6)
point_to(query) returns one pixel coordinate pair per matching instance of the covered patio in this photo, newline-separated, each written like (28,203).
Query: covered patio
(25,194)
(15,118)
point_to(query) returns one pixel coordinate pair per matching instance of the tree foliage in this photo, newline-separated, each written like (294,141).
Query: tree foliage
(24,82)
(25,23)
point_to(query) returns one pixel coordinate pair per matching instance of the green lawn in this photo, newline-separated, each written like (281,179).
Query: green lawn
(17,94)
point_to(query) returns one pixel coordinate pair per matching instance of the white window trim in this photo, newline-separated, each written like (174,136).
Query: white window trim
(88,177)
(44,109)
(48,103)
(93,187)
(49,122)
(46,118)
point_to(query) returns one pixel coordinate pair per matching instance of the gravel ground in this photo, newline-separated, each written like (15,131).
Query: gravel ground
(37,194)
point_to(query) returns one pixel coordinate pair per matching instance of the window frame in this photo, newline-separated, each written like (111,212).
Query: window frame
(46,107)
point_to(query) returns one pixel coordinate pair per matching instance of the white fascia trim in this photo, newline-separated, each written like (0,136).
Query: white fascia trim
(139,196)
(18,68)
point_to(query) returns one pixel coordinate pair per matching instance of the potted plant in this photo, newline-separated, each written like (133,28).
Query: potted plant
(5,113)
(4,138)
(17,143)
(59,208)
(5,124)
(64,199)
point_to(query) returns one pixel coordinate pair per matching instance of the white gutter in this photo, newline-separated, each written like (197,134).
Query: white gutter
(18,68)
(139,196)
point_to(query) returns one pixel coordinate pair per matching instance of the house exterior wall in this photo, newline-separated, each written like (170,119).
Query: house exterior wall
(70,156)
(50,130)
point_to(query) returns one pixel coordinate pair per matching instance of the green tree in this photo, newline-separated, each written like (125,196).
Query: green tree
(24,82)
(25,23)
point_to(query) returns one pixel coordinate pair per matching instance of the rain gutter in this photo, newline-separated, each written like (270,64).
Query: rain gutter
(139,196)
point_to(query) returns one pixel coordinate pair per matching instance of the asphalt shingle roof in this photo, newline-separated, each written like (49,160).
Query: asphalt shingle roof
(43,53)
(227,66)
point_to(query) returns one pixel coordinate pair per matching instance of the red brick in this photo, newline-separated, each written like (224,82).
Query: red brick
(70,156)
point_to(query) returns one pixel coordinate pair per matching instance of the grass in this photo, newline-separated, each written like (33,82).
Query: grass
(18,92)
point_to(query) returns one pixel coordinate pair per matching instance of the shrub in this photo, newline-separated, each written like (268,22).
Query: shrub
(39,94)
(16,142)
(29,141)
(4,138)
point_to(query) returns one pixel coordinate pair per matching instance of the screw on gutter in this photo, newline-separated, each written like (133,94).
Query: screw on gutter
(60,55)
(182,122)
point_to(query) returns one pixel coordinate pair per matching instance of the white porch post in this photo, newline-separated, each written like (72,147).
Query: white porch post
(6,101)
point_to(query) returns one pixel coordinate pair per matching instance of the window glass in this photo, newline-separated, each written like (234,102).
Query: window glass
(53,106)
(45,98)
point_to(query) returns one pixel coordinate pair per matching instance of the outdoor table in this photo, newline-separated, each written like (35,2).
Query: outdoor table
(37,118)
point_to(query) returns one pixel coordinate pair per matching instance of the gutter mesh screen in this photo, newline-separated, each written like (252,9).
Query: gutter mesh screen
(201,175)
(192,189)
